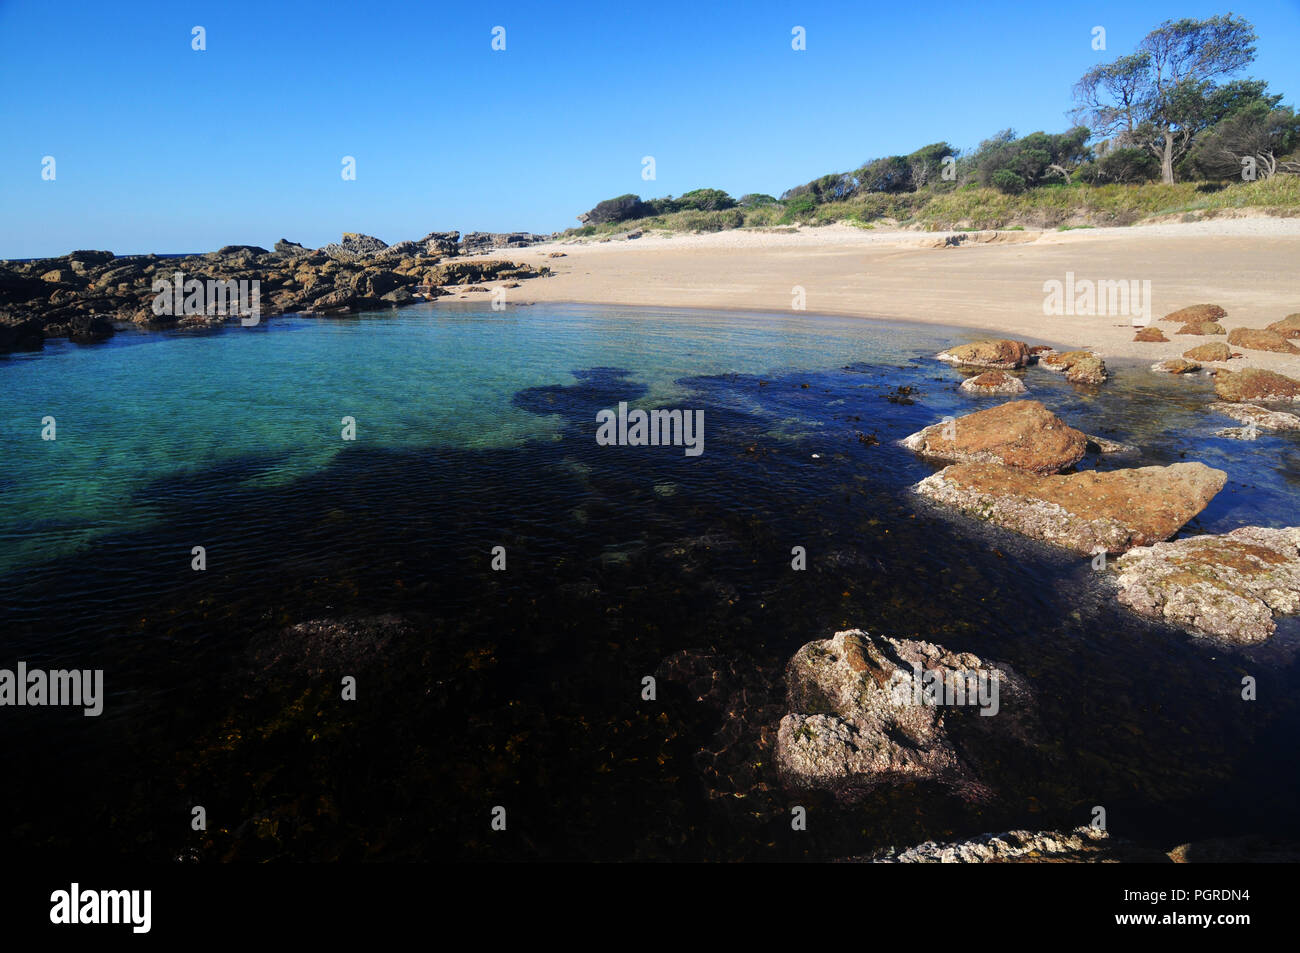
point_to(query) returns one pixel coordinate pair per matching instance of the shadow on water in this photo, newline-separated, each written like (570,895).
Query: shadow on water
(522,688)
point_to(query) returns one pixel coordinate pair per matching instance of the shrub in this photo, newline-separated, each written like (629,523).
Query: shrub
(619,209)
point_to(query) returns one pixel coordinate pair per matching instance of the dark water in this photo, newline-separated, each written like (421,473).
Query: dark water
(522,688)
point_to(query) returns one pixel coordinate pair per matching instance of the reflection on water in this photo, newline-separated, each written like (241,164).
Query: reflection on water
(522,688)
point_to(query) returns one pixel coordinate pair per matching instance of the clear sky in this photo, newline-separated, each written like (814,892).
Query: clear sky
(159,147)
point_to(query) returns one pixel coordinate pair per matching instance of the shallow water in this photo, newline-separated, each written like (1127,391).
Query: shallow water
(522,688)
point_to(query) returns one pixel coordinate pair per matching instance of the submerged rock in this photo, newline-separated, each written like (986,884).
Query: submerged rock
(1021,433)
(1255,339)
(1229,586)
(859,714)
(1259,416)
(1115,510)
(997,354)
(331,647)
(1176,365)
(1255,384)
(994,382)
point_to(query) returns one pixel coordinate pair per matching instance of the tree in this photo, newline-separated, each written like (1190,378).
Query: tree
(1252,139)
(1159,96)
(1013,164)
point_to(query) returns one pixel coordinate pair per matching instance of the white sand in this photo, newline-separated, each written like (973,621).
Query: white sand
(1249,265)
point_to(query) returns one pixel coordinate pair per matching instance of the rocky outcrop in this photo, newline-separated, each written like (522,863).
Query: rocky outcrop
(1288,327)
(1085,512)
(1254,384)
(84,294)
(1256,339)
(1084,845)
(22,334)
(1259,416)
(1176,365)
(1021,433)
(994,383)
(1151,335)
(1001,355)
(1079,367)
(354,247)
(1227,586)
(1196,314)
(1204,353)
(867,710)
(478,243)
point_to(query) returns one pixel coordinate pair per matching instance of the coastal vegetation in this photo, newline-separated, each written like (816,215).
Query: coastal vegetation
(1159,132)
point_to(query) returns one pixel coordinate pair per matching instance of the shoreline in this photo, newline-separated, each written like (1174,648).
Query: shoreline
(994,282)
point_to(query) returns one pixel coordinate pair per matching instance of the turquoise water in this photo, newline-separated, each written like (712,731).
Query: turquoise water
(147,408)
(477,428)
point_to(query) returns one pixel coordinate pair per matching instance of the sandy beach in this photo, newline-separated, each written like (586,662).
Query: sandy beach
(993,281)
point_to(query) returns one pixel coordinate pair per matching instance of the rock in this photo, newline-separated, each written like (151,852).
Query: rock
(1176,365)
(1021,433)
(994,382)
(1288,327)
(1152,335)
(473,272)
(1062,361)
(1083,845)
(1238,433)
(1261,340)
(86,258)
(84,328)
(1228,586)
(1113,510)
(1102,445)
(1260,417)
(481,242)
(441,243)
(331,647)
(1204,327)
(354,247)
(860,716)
(292,249)
(1088,370)
(1253,384)
(997,354)
(1216,351)
(1197,314)
(21,335)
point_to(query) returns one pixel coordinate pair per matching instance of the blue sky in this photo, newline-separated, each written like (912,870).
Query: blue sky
(162,148)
